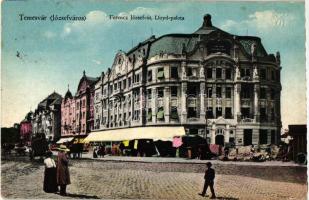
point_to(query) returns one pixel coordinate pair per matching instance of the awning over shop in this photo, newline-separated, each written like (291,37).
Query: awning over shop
(155,133)
(63,140)
(79,140)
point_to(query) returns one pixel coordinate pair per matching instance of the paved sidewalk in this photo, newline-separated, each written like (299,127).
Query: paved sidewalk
(189,161)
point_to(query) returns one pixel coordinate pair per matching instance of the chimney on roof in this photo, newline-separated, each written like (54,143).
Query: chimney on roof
(207,21)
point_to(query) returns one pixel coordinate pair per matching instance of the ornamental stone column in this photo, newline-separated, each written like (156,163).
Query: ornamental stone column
(183,102)
(141,104)
(256,103)
(167,104)
(183,93)
(237,112)
(153,104)
(202,105)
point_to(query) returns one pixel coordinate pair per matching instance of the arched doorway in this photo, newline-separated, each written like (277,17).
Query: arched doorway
(219,140)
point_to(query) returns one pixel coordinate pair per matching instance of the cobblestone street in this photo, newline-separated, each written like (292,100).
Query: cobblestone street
(138,180)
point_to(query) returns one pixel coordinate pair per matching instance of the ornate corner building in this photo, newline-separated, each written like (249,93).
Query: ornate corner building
(223,87)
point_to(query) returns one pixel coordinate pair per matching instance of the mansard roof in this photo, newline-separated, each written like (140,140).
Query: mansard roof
(148,40)
(175,43)
(45,103)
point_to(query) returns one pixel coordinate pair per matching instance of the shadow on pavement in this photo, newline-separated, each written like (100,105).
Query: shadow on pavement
(82,196)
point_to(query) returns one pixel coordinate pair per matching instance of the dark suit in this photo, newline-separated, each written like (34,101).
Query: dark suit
(209,181)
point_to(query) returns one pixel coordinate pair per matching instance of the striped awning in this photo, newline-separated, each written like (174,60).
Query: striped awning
(155,133)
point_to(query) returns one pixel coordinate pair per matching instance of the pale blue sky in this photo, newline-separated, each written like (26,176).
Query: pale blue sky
(54,54)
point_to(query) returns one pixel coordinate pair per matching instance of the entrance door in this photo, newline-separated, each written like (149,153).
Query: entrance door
(247,137)
(220,140)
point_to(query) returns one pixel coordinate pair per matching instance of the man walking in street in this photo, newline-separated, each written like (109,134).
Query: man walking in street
(209,181)
(63,175)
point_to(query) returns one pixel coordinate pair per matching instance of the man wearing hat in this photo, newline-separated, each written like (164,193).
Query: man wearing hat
(209,181)
(63,175)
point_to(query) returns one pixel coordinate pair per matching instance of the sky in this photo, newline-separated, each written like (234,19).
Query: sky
(40,57)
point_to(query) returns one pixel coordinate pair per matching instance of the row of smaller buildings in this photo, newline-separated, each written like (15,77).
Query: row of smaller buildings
(57,116)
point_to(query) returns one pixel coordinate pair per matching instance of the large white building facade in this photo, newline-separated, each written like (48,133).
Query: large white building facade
(223,87)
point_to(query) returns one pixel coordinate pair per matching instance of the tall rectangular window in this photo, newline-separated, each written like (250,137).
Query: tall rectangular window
(189,71)
(124,84)
(272,114)
(174,72)
(262,93)
(263,74)
(149,93)
(218,92)
(209,92)
(160,114)
(209,113)
(245,112)
(263,136)
(174,113)
(174,91)
(228,113)
(228,92)
(209,73)
(137,78)
(129,82)
(272,94)
(228,74)
(218,73)
(160,73)
(218,112)
(149,76)
(248,72)
(160,92)
(263,115)
(273,75)
(149,115)
(192,113)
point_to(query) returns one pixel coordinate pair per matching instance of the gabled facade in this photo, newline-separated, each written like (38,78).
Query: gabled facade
(77,110)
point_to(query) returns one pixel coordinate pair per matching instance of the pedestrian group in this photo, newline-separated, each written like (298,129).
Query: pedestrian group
(57,174)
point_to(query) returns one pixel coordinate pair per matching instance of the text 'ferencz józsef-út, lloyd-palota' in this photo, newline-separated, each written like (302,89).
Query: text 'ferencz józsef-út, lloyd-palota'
(52,17)
(146,17)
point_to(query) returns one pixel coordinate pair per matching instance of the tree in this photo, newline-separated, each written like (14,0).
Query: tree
(9,135)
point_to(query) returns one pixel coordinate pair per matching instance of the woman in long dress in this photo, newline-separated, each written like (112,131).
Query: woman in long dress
(50,180)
